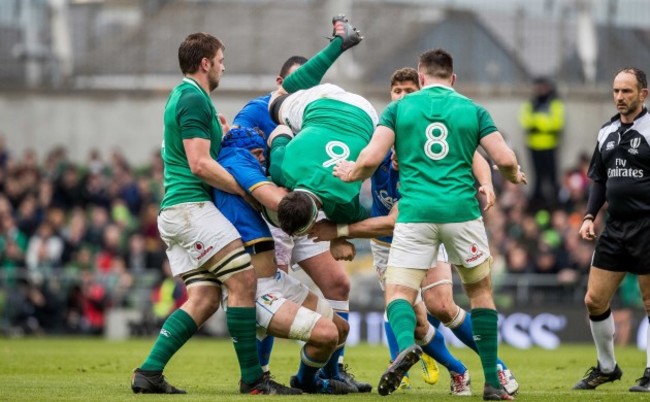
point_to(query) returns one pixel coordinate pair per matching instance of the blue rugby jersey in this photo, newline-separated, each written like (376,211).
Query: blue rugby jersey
(383,186)
(248,172)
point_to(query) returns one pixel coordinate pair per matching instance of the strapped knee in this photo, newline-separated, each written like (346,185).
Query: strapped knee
(303,324)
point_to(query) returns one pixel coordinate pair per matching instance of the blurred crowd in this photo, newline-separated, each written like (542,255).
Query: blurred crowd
(74,238)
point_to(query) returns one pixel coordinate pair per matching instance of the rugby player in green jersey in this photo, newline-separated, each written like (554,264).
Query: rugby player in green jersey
(203,247)
(328,122)
(435,132)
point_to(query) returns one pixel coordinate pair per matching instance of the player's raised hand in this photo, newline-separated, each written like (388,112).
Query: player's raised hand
(342,170)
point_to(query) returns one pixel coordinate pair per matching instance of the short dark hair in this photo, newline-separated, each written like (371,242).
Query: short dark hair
(436,63)
(638,73)
(194,48)
(404,75)
(291,61)
(296,212)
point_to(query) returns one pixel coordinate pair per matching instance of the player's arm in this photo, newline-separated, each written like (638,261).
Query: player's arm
(369,158)
(269,195)
(503,157)
(597,195)
(483,174)
(378,226)
(277,142)
(207,169)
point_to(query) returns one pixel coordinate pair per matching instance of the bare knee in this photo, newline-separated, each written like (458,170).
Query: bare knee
(342,327)
(595,303)
(242,287)
(202,305)
(444,310)
(325,335)
(337,286)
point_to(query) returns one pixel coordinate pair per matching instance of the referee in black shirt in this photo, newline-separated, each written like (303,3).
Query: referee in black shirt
(620,170)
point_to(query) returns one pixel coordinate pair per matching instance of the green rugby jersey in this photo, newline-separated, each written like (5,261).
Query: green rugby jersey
(437,131)
(332,130)
(189,113)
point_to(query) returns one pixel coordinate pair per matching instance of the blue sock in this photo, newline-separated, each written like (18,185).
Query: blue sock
(393,348)
(433,320)
(331,368)
(465,333)
(438,350)
(308,368)
(264,348)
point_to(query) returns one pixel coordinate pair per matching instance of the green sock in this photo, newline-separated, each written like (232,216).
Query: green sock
(309,74)
(178,328)
(484,323)
(401,317)
(242,325)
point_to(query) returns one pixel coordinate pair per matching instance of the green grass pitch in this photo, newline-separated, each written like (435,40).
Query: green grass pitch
(82,369)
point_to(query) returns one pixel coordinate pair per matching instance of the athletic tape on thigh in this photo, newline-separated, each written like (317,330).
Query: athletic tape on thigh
(475,274)
(457,320)
(408,277)
(303,324)
(200,277)
(235,261)
(323,308)
(440,282)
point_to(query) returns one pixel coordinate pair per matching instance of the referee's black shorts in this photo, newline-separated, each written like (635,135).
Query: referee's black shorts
(624,246)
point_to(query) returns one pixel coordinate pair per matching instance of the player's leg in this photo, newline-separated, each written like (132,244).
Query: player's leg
(209,228)
(601,287)
(433,344)
(329,276)
(411,255)
(287,309)
(311,73)
(380,260)
(177,329)
(466,243)
(437,292)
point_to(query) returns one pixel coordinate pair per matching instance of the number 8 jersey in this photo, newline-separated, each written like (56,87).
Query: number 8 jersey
(331,125)
(437,131)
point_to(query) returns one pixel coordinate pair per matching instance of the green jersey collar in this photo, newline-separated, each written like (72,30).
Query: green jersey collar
(438,86)
(191,81)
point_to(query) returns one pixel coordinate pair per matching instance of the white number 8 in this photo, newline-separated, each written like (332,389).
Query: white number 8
(335,157)
(436,140)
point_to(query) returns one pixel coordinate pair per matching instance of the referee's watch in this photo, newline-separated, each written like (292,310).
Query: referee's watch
(588,217)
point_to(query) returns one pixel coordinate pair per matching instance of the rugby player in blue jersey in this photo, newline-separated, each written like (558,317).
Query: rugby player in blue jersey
(285,307)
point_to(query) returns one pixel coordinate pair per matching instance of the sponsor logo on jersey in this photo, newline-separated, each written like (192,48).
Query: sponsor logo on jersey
(634,144)
(620,169)
(385,199)
(609,146)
